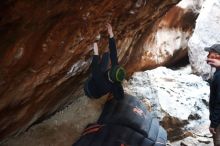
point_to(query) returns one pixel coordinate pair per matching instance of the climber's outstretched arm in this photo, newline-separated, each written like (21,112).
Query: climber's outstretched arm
(112,46)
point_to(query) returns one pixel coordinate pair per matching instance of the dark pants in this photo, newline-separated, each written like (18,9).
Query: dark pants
(98,76)
(216,137)
(98,73)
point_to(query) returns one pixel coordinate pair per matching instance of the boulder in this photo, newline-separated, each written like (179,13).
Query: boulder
(205,34)
(178,98)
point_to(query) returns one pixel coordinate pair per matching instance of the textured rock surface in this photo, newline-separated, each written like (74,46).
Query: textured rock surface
(167,41)
(191,141)
(201,137)
(63,128)
(205,34)
(45,49)
(178,98)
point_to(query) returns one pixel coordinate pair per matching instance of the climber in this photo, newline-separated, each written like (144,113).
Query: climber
(214,101)
(102,79)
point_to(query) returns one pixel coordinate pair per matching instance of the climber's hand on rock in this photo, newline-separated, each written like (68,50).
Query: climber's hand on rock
(109,28)
(212,130)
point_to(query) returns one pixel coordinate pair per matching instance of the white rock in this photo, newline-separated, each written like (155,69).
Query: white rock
(206,33)
(204,140)
(194,5)
(176,93)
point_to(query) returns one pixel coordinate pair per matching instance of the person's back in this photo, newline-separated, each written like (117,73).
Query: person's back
(124,122)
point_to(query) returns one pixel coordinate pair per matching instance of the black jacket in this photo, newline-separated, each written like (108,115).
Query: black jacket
(99,84)
(121,125)
(214,101)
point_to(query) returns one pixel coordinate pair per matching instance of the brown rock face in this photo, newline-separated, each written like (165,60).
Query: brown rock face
(167,41)
(45,50)
(173,127)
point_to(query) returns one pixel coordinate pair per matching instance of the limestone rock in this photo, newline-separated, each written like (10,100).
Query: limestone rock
(204,140)
(45,49)
(205,35)
(175,96)
(167,42)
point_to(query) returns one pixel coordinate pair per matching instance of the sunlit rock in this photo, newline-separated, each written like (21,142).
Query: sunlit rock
(167,41)
(178,98)
(205,34)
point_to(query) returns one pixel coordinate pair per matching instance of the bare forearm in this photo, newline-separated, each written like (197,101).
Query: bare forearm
(110,31)
(95,49)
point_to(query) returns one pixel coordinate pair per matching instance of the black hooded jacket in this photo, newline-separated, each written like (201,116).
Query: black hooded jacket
(214,101)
